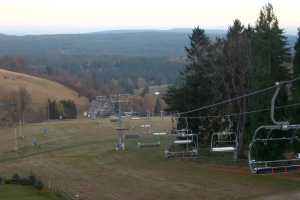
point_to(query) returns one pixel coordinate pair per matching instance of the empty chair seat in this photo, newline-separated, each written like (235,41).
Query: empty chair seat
(223,149)
(159,133)
(183,141)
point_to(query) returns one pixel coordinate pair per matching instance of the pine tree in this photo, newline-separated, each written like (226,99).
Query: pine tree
(271,55)
(296,86)
(199,83)
(296,61)
(297,53)
(271,59)
(177,96)
(270,48)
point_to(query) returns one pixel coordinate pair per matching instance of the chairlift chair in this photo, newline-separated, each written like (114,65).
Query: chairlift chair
(278,133)
(149,132)
(224,141)
(185,144)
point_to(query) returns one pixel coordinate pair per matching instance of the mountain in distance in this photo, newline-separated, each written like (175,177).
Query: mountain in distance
(101,62)
(147,43)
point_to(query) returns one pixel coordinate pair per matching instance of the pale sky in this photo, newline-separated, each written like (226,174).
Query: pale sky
(71,16)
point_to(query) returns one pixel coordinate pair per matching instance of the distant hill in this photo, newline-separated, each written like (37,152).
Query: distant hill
(149,43)
(40,89)
(102,62)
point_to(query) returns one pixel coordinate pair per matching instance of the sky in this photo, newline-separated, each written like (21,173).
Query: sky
(74,16)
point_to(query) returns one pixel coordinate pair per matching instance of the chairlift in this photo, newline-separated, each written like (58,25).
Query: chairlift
(120,146)
(148,132)
(185,145)
(267,135)
(224,141)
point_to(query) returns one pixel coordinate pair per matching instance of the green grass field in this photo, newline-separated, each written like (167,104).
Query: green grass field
(13,192)
(79,157)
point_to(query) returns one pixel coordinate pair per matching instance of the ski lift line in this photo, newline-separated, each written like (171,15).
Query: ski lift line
(242,96)
(243,113)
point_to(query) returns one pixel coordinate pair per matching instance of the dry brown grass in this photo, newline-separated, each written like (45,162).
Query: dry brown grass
(40,89)
(87,164)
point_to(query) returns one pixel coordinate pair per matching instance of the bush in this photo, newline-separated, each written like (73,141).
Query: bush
(15,179)
(7,181)
(25,181)
(39,185)
(32,179)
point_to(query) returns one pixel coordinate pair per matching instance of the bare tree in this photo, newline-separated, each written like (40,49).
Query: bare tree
(22,99)
(238,61)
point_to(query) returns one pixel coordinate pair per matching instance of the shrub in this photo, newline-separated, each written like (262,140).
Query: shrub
(25,181)
(39,185)
(15,179)
(32,179)
(7,181)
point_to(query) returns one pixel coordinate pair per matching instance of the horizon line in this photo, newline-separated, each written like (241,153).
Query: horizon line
(74,32)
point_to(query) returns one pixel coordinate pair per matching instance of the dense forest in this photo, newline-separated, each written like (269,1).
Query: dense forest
(145,43)
(102,63)
(247,59)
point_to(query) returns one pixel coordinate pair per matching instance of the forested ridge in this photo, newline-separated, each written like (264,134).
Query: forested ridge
(102,62)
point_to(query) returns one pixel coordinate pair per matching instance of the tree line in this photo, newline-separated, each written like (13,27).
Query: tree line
(91,76)
(18,107)
(247,59)
(63,109)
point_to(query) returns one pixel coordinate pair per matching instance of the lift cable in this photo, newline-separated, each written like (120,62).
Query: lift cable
(240,97)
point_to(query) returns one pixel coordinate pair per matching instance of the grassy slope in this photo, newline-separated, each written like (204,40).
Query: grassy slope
(14,192)
(79,156)
(40,89)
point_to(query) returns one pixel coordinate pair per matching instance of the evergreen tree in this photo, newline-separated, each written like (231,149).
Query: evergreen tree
(69,109)
(296,86)
(271,59)
(198,84)
(271,55)
(296,63)
(270,48)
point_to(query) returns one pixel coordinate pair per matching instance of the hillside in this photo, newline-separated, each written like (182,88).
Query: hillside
(103,62)
(149,43)
(40,89)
